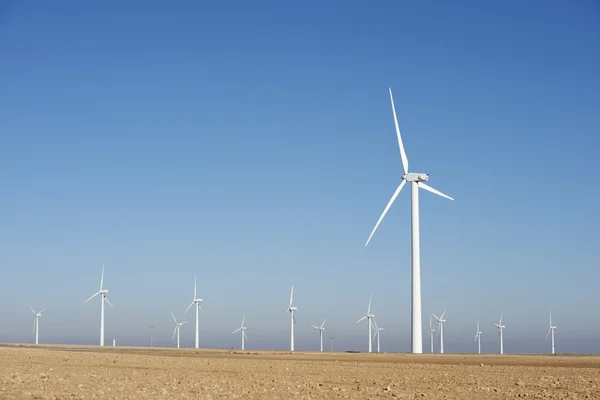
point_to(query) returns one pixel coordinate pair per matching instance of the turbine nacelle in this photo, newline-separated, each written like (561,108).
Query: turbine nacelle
(415,177)
(292,308)
(103,291)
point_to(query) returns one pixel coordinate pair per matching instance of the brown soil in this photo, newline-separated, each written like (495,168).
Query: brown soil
(77,372)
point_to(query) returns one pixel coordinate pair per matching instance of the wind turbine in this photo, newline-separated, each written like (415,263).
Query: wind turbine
(291,310)
(196,301)
(551,331)
(431,330)
(441,321)
(321,329)
(243,329)
(102,293)
(377,333)
(478,338)
(36,323)
(500,328)
(368,316)
(178,326)
(417,181)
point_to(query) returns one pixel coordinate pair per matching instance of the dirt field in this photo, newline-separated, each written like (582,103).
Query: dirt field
(60,372)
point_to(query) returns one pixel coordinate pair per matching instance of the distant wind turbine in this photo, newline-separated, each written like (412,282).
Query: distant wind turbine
(431,330)
(321,329)
(377,334)
(551,332)
(369,316)
(417,181)
(500,329)
(478,338)
(441,321)
(178,326)
(291,310)
(243,329)
(197,302)
(102,292)
(36,323)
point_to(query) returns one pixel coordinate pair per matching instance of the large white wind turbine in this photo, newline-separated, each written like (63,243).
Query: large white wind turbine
(321,329)
(197,302)
(178,326)
(369,316)
(551,332)
(377,334)
(36,323)
(478,338)
(500,329)
(243,329)
(102,293)
(441,321)
(431,330)
(291,310)
(417,181)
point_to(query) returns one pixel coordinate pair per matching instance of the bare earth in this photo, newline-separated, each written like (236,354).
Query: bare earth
(74,372)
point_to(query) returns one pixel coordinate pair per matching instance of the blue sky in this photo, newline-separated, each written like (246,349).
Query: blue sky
(253,144)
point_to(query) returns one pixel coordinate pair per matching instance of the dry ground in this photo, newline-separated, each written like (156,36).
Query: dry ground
(72,372)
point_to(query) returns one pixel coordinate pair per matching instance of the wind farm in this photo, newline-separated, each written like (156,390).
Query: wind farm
(416,160)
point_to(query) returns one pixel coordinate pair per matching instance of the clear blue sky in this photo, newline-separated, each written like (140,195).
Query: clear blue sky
(252,143)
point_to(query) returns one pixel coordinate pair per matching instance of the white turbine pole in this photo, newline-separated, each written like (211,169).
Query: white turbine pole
(417,181)
(321,329)
(196,301)
(377,334)
(370,325)
(500,329)
(478,338)
(177,329)
(431,330)
(36,323)
(243,329)
(102,292)
(441,321)
(551,332)
(291,310)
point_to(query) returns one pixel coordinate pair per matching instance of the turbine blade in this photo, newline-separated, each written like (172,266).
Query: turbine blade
(389,204)
(294,318)
(34,311)
(34,321)
(432,190)
(94,295)
(548,333)
(316,327)
(475,337)
(501,315)
(375,336)
(369,308)
(174,332)
(375,323)
(435,316)
(106,298)
(550,318)
(237,330)
(174,318)
(291,296)
(191,304)
(184,322)
(102,277)
(244,333)
(200,307)
(444,313)
(402,152)
(361,319)
(243,318)
(43,309)
(323,324)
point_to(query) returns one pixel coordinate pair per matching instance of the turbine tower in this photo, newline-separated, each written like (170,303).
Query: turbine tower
(441,321)
(243,329)
(291,310)
(321,329)
(377,334)
(102,292)
(36,323)
(178,326)
(431,330)
(478,338)
(196,301)
(417,181)
(500,328)
(551,331)
(369,316)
